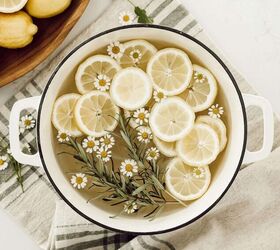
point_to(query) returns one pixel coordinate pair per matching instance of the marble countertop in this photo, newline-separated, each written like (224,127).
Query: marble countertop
(248,32)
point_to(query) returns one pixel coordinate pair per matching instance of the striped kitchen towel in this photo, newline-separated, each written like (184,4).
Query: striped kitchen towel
(55,226)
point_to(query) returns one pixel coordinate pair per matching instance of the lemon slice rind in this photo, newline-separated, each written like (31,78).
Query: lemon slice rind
(181,182)
(63,112)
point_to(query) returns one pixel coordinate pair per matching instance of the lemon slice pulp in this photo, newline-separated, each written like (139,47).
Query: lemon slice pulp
(166,148)
(10,6)
(63,114)
(91,68)
(186,182)
(199,147)
(96,114)
(218,126)
(171,119)
(202,90)
(131,88)
(137,53)
(170,70)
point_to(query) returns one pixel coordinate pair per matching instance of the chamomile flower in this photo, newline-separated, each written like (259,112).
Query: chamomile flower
(107,141)
(79,181)
(3,162)
(126,17)
(215,111)
(130,207)
(115,50)
(90,144)
(26,147)
(144,135)
(158,96)
(152,154)
(26,122)
(104,154)
(135,55)
(63,136)
(199,77)
(198,172)
(141,116)
(102,82)
(128,167)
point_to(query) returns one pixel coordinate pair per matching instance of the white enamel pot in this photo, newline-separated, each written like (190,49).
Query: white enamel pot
(232,159)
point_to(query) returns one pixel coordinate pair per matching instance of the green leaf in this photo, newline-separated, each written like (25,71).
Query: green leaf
(139,189)
(142,15)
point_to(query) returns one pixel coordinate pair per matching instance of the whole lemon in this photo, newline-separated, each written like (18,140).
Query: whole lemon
(16,30)
(46,8)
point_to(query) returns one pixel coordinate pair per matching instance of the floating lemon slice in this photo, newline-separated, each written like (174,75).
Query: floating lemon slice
(137,53)
(10,6)
(63,114)
(218,126)
(96,114)
(200,146)
(166,148)
(131,88)
(170,70)
(91,68)
(171,119)
(202,90)
(186,182)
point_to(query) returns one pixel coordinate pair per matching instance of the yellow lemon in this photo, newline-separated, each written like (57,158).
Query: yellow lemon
(16,30)
(46,8)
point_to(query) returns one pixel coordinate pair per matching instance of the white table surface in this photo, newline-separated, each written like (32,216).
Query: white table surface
(248,32)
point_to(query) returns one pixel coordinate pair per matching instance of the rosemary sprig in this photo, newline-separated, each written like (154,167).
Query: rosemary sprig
(17,167)
(145,189)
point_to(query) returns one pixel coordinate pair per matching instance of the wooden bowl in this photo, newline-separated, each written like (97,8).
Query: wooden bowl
(51,33)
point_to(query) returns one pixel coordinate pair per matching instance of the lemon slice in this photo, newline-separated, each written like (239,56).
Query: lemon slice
(131,88)
(186,182)
(10,6)
(63,114)
(170,70)
(200,146)
(171,119)
(166,148)
(93,67)
(218,126)
(96,114)
(137,53)
(202,90)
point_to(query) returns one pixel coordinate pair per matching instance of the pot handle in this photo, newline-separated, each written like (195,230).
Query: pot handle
(268,127)
(33,160)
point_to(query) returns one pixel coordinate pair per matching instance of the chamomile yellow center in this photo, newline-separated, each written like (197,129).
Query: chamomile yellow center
(215,111)
(197,172)
(160,95)
(145,135)
(90,144)
(106,141)
(141,116)
(103,154)
(199,76)
(27,122)
(116,50)
(126,18)
(79,180)
(63,136)
(102,82)
(1,162)
(135,55)
(128,167)
(153,154)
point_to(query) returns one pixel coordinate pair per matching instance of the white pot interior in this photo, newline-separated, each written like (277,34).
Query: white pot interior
(222,174)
